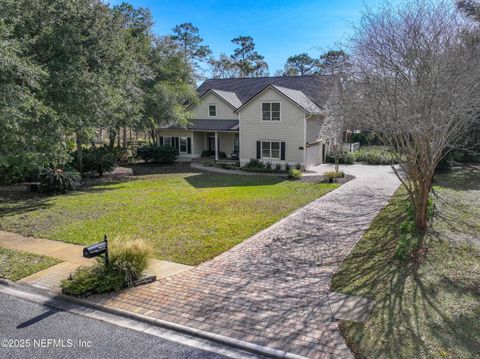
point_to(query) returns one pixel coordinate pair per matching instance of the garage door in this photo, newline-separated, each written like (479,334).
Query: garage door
(314,154)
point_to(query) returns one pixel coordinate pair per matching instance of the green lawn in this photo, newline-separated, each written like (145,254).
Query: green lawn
(189,218)
(429,309)
(15,265)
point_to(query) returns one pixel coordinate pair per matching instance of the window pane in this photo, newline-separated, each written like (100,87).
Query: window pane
(276,106)
(275,149)
(167,141)
(266,107)
(183,144)
(265,149)
(266,116)
(275,116)
(212,110)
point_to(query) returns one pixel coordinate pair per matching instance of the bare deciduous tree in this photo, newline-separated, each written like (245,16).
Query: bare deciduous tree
(416,83)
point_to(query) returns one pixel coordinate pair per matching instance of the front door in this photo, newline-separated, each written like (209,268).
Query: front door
(211,142)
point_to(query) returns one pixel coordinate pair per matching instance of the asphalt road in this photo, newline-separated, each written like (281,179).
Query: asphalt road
(76,336)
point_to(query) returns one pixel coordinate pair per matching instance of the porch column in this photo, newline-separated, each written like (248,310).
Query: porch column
(216,146)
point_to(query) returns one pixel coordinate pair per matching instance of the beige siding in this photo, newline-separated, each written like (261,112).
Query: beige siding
(314,125)
(290,129)
(224,111)
(226,142)
(199,143)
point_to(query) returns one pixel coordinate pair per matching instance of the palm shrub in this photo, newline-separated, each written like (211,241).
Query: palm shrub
(128,259)
(58,180)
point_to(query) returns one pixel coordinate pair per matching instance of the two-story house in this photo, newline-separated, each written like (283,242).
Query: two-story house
(273,119)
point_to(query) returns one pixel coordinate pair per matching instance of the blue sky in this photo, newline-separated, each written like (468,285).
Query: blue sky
(280,28)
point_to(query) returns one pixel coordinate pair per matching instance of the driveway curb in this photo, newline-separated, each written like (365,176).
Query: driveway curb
(218,338)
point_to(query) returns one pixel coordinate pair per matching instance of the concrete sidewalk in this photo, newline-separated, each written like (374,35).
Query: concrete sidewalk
(71,257)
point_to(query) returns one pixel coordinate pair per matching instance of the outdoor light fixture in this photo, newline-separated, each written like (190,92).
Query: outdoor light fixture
(96,250)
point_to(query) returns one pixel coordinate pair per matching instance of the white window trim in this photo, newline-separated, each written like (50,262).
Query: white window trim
(208,109)
(180,144)
(270,157)
(261,112)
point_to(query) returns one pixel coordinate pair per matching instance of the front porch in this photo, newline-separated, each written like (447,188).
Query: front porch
(201,144)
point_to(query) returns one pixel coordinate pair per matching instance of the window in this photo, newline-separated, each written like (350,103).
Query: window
(212,110)
(271,150)
(271,111)
(236,144)
(167,140)
(183,144)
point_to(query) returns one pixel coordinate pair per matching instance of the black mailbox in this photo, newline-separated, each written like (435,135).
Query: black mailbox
(97,250)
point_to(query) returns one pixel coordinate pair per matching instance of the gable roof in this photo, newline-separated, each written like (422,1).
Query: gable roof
(230,97)
(315,88)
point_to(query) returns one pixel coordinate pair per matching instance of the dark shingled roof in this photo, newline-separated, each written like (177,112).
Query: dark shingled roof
(316,87)
(206,125)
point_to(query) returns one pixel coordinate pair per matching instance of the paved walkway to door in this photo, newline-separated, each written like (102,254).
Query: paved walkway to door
(273,288)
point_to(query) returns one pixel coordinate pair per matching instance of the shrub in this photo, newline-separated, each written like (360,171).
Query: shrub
(343,158)
(25,167)
(123,155)
(99,160)
(209,153)
(407,243)
(294,174)
(255,164)
(95,159)
(349,158)
(268,165)
(375,155)
(128,259)
(58,180)
(332,176)
(287,167)
(278,167)
(298,166)
(366,139)
(157,154)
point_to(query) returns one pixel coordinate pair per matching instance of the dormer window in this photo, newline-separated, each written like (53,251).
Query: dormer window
(212,110)
(271,111)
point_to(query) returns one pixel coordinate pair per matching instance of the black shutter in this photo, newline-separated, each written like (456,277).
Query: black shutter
(161,140)
(177,143)
(282,151)
(258,149)
(189,145)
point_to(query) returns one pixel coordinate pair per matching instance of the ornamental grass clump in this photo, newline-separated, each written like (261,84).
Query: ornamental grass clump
(128,260)
(332,176)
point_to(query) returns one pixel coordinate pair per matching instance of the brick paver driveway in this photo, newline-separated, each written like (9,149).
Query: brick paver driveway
(272,289)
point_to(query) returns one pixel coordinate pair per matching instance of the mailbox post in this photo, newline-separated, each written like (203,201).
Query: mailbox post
(96,250)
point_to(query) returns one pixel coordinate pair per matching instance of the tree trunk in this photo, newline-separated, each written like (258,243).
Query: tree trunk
(112,135)
(152,134)
(78,141)
(421,209)
(118,143)
(124,137)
